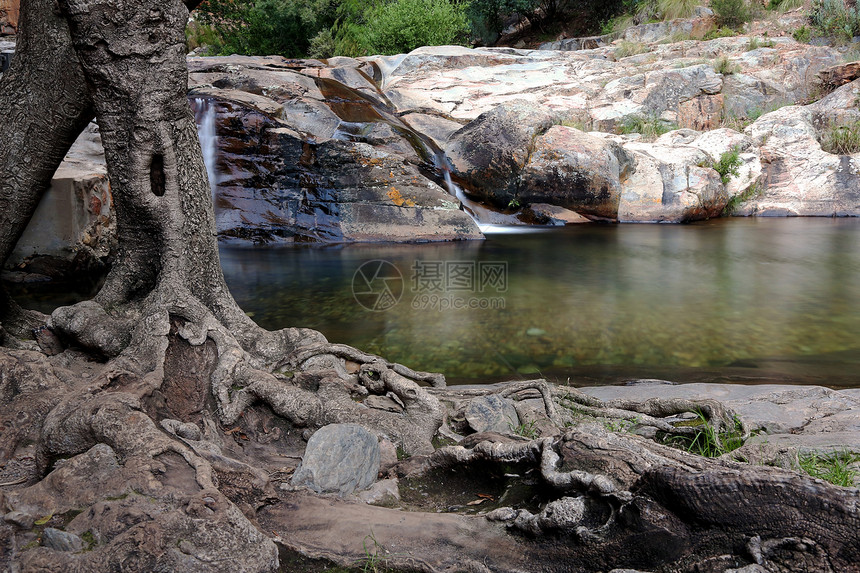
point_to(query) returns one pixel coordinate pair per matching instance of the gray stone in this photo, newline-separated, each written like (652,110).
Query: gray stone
(61,540)
(491,414)
(384,492)
(21,519)
(339,458)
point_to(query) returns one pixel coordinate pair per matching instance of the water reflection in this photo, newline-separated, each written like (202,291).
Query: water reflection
(745,300)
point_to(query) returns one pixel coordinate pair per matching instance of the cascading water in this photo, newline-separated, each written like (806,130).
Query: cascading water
(205,115)
(358,111)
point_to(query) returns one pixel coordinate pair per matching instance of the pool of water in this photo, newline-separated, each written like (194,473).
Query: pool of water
(739,300)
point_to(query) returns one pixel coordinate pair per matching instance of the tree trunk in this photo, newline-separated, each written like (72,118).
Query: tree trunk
(44,106)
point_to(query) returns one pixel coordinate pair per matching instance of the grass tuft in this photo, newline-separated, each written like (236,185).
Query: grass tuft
(723,65)
(625,49)
(841,139)
(707,442)
(649,126)
(835,468)
(672,9)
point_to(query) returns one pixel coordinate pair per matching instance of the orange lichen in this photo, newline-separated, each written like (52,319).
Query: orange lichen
(398,199)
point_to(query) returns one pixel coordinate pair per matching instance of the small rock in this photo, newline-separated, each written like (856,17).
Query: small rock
(491,414)
(535,332)
(382,403)
(61,540)
(339,458)
(20,519)
(383,492)
(387,456)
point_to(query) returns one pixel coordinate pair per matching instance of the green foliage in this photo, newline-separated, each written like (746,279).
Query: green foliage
(264,27)
(735,202)
(834,468)
(728,165)
(841,139)
(199,35)
(802,34)
(403,25)
(649,126)
(723,65)
(715,33)
(487,17)
(756,43)
(671,9)
(732,13)
(833,18)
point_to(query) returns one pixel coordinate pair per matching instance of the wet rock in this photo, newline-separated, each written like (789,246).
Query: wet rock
(576,171)
(546,214)
(61,540)
(339,458)
(491,414)
(490,153)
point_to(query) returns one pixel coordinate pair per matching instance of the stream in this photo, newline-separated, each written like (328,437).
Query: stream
(729,300)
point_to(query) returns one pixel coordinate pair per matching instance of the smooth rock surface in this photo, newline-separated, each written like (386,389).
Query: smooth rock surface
(492,414)
(339,458)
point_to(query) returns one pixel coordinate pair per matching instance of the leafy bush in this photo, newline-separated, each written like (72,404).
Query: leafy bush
(403,25)
(732,13)
(833,18)
(841,139)
(802,34)
(728,165)
(487,17)
(264,27)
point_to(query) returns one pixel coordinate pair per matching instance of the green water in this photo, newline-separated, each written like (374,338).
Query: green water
(743,300)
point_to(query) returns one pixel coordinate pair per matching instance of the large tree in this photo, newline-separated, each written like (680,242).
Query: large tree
(120,433)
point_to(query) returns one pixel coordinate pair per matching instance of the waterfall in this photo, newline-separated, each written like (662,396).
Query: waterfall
(204,115)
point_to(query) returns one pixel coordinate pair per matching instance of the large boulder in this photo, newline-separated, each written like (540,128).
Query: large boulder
(490,153)
(577,171)
(799,178)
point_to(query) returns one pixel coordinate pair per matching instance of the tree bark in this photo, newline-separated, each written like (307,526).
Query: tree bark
(44,106)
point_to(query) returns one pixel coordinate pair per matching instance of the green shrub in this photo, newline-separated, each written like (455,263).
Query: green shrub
(403,25)
(728,165)
(671,9)
(841,139)
(802,34)
(732,13)
(832,18)
(487,17)
(264,27)
(719,33)
(649,126)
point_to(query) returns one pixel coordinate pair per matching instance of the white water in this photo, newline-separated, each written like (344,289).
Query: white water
(204,115)
(488,221)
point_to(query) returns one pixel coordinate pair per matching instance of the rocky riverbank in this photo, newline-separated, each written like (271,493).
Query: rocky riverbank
(376,149)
